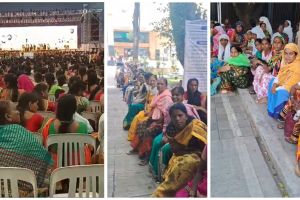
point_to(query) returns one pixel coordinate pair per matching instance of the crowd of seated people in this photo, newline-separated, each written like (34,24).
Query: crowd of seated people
(266,63)
(167,131)
(26,110)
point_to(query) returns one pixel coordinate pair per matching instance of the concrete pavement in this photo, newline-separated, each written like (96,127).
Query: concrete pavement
(238,167)
(125,177)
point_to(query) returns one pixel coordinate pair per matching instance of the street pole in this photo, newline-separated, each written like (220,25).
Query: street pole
(136,32)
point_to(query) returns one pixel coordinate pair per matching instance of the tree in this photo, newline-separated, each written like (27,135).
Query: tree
(247,11)
(172,26)
(179,13)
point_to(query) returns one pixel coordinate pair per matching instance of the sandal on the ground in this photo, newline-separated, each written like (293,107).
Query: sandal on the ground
(143,162)
(251,91)
(280,126)
(131,152)
(289,140)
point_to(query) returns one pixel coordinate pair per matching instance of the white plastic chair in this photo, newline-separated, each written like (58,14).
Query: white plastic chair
(94,181)
(95,107)
(92,116)
(12,175)
(51,98)
(68,146)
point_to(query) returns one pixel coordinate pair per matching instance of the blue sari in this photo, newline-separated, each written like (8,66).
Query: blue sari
(276,101)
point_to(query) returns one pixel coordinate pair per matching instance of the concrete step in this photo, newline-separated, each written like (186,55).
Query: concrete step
(238,168)
(280,153)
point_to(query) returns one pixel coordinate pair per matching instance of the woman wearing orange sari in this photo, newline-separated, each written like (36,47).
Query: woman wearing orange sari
(156,122)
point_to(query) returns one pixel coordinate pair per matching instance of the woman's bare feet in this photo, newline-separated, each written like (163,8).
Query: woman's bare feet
(262,100)
(297,169)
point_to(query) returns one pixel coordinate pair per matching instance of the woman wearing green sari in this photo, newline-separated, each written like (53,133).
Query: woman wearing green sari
(20,148)
(235,73)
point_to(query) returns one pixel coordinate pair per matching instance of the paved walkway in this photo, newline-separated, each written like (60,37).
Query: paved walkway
(125,177)
(238,167)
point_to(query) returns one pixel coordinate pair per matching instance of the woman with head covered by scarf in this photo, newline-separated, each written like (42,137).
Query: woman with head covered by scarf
(239,35)
(224,48)
(288,30)
(289,75)
(187,137)
(217,32)
(268,25)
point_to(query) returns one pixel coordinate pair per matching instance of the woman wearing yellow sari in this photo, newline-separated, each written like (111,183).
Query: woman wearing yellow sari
(280,86)
(187,137)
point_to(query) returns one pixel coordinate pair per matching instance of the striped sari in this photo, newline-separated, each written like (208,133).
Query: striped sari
(19,148)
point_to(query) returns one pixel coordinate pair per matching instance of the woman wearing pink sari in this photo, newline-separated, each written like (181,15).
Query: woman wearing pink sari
(217,32)
(157,121)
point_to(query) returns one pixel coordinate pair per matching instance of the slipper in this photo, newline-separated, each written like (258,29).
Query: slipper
(280,126)
(289,140)
(143,163)
(131,152)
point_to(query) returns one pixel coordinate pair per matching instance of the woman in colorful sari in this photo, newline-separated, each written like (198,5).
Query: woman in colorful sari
(217,32)
(64,122)
(139,99)
(289,75)
(263,73)
(236,72)
(200,179)
(278,44)
(160,141)
(196,99)
(291,126)
(24,80)
(19,148)
(149,129)
(28,107)
(239,39)
(187,137)
(143,115)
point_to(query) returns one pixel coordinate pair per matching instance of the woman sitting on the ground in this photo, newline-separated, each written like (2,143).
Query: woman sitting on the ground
(291,126)
(200,179)
(267,49)
(262,73)
(149,129)
(160,141)
(64,122)
(278,44)
(148,90)
(196,99)
(11,91)
(143,115)
(20,148)
(289,75)
(28,106)
(262,78)
(236,72)
(187,137)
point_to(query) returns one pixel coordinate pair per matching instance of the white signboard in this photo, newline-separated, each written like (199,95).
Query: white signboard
(195,54)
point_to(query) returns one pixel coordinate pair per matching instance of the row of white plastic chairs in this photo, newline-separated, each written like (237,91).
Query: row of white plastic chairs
(70,146)
(92,174)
